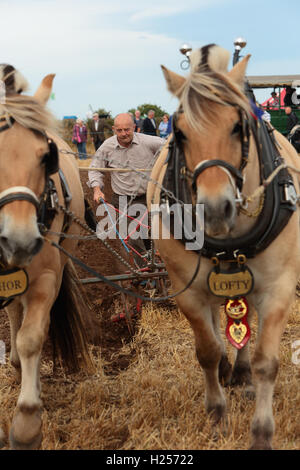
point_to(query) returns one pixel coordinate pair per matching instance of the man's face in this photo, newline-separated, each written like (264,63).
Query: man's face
(151,114)
(95,117)
(124,130)
(137,114)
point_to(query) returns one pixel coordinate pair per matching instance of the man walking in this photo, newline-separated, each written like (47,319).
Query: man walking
(127,149)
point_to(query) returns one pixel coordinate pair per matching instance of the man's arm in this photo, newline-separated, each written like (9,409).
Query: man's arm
(96,178)
(157,143)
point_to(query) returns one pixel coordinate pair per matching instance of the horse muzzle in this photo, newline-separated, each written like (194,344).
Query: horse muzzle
(219,210)
(219,213)
(18,252)
(19,240)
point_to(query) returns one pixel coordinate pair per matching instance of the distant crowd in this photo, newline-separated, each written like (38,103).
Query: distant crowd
(98,126)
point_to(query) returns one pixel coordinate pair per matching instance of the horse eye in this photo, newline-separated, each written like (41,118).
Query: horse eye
(236,129)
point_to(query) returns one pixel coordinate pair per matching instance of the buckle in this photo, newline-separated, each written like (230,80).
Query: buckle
(290,195)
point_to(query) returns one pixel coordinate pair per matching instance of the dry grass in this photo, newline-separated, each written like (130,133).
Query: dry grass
(157,402)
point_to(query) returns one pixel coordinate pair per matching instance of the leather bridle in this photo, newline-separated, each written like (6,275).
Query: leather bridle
(236,173)
(22,193)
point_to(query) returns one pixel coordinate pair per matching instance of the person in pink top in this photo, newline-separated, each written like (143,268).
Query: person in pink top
(79,138)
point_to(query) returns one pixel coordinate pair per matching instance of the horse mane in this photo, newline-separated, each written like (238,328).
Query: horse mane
(25,110)
(208,83)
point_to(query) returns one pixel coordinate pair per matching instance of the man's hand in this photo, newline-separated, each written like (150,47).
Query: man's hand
(98,194)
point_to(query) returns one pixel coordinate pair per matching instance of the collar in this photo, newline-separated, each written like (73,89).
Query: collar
(134,141)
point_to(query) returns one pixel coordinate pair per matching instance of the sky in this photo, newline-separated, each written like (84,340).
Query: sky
(107,53)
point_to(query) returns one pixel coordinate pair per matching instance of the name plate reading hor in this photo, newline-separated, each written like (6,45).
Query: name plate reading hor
(13,282)
(234,283)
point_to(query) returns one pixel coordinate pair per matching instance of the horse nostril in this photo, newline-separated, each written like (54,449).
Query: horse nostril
(11,246)
(4,243)
(37,245)
(228,209)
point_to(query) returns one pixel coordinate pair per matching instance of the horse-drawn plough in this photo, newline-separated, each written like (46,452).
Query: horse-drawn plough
(144,277)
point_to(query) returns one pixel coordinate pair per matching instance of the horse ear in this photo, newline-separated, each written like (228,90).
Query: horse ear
(174,81)
(237,73)
(43,92)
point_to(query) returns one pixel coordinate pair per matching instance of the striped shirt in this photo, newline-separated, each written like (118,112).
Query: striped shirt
(140,154)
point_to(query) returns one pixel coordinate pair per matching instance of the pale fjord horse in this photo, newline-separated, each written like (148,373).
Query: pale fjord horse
(26,156)
(208,120)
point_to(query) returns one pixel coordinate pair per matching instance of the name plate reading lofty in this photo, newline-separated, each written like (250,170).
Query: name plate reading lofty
(231,284)
(13,282)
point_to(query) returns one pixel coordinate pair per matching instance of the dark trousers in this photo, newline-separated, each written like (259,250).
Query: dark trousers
(97,143)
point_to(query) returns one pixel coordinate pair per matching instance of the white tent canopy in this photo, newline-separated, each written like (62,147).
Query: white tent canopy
(273,81)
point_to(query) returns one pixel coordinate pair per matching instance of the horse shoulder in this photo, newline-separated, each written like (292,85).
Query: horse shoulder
(157,176)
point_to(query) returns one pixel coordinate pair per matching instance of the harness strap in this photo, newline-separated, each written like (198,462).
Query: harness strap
(275,214)
(9,122)
(18,193)
(221,163)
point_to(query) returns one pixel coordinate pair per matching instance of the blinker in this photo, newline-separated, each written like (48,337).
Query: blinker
(52,159)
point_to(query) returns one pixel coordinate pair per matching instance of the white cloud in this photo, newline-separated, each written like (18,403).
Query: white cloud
(170,7)
(100,50)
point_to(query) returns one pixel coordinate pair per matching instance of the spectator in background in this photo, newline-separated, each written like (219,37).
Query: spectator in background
(275,102)
(265,115)
(163,127)
(288,96)
(292,119)
(170,130)
(138,121)
(79,138)
(149,124)
(97,130)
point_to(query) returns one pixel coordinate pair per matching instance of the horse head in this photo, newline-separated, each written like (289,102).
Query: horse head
(210,123)
(24,166)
